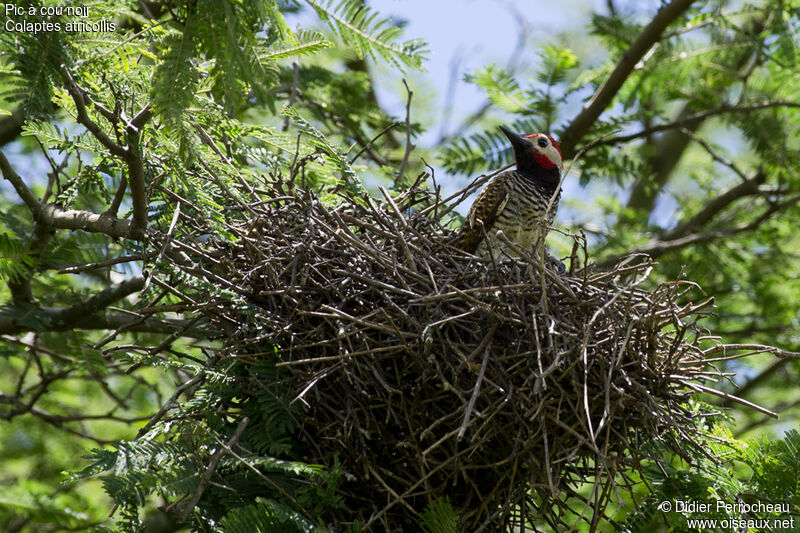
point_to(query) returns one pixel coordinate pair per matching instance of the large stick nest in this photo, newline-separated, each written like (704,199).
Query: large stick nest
(427,372)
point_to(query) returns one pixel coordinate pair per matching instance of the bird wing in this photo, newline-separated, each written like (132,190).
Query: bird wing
(484,211)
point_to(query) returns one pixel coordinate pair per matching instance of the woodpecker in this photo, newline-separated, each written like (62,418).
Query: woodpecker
(515,201)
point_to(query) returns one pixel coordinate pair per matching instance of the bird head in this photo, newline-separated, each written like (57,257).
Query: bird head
(535,152)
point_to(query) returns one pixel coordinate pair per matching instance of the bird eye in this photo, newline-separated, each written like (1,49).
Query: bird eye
(542,142)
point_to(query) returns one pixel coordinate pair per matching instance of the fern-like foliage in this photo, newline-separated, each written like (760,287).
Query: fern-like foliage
(15,258)
(304,43)
(55,137)
(536,104)
(266,516)
(176,79)
(501,87)
(774,480)
(228,36)
(369,34)
(221,56)
(33,61)
(439,517)
(257,486)
(776,468)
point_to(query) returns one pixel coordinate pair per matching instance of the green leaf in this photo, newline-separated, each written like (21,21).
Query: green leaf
(501,87)
(439,517)
(15,258)
(306,43)
(175,82)
(556,64)
(370,35)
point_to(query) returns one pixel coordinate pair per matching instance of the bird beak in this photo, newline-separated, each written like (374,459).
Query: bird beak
(518,142)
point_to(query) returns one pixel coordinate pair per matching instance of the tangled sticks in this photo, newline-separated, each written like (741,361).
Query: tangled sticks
(427,372)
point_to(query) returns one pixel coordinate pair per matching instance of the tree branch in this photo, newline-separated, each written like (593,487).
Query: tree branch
(98,301)
(668,148)
(83,267)
(212,467)
(85,315)
(715,206)
(409,146)
(684,121)
(142,117)
(51,217)
(20,287)
(136,168)
(100,321)
(609,88)
(23,191)
(760,378)
(113,209)
(659,247)
(79,97)
(84,220)
(131,154)
(136,178)
(715,155)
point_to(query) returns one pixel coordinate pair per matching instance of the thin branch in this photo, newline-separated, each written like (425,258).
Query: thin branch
(726,108)
(371,141)
(101,321)
(271,482)
(98,301)
(715,155)
(659,247)
(484,345)
(760,378)
(76,269)
(212,467)
(57,168)
(716,205)
(730,397)
(56,422)
(113,209)
(107,113)
(756,348)
(293,92)
(409,145)
(170,403)
(133,157)
(450,93)
(463,193)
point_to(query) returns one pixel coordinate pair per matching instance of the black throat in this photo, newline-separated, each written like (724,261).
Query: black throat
(546,179)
